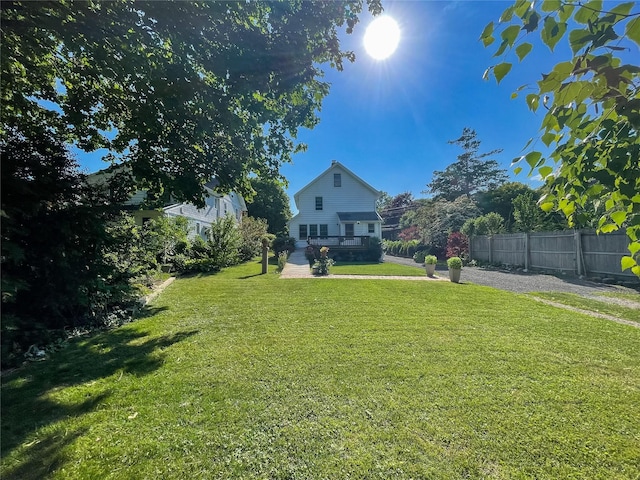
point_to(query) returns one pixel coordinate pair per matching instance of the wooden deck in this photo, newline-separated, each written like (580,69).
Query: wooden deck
(340,242)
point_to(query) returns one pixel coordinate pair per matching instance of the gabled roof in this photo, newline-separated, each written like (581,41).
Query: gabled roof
(336,164)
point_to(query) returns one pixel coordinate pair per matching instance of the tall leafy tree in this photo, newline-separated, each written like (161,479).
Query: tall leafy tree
(180,91)
(591,107)
(437,219)
(271,203)
(500,200)
(471,173)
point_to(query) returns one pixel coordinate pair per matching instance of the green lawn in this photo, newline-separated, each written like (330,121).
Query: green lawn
(239,375)
(384,269)
(625,312)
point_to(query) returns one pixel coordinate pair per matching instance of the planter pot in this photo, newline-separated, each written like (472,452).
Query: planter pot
(431,269)
(454,275)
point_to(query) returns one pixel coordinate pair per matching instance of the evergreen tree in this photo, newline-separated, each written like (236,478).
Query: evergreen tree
(470,174)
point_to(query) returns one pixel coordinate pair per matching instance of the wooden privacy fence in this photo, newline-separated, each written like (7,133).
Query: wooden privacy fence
(581,252)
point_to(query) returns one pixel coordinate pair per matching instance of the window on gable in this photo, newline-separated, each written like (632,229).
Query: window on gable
(313,230)
(337,179)
(302,233)
(318,203)
(371,228)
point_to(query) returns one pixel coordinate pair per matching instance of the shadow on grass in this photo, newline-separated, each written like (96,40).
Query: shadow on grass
(28,395)
(147,311)
(43,457)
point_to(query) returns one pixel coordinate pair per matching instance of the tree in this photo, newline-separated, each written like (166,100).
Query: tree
(384,201)
(270,202)
(500,200)
(490,224)
(591,105)
(252,231)
(527,214)
(180,91)
(470,173)
(437,219)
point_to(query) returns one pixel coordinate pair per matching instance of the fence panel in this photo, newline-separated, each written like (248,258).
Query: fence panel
(480,248)
(508,249)
(581,252)
(601,254)
(553,251)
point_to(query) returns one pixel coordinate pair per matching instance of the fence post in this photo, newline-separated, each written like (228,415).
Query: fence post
(578,240)
(490,249)
(526,251)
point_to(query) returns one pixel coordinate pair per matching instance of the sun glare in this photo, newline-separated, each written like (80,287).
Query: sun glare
(382,37)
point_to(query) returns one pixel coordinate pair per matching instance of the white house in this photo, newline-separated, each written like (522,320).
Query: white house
(337,207)
(216,205)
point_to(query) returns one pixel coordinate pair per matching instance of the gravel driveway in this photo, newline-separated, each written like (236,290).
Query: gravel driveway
(522,282)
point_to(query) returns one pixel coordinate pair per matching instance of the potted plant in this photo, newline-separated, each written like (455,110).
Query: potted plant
(455,265)
(430,264)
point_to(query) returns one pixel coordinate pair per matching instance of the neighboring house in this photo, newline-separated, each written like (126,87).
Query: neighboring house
(336,209)
(216,206)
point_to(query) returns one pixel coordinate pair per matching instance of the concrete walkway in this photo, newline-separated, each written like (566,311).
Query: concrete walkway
(298,267)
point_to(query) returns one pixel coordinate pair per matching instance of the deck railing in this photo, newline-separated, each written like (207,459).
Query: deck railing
(334,241)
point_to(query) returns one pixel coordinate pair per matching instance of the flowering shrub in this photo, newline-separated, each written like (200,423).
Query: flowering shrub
(457,245)
(322,265)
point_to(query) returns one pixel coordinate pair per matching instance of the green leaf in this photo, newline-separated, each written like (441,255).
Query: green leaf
(547,206)
(551,5)
(552,32)
(501,70)
(579,38)
(634,247)
(531,23)
(510,34)
(632,31)
(532,158)
(636,270)
(517,170)
(487,35)
(619,217)
(627,262)
(533,101)
(507,15)
(608,228)
(548,137)
(523,50)
(623,9)
(565,12)
(588,12)
(545,171)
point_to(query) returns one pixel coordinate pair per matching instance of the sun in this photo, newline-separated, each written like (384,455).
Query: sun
(382,37)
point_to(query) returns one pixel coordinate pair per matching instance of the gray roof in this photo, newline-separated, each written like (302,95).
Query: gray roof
(359,217)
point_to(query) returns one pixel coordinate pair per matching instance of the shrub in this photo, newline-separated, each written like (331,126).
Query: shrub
(201,265)
(454,263)
(457,245)
(224,241)
(430,260)
(374,251)
(282,244)
(252,231)
(418,257)
(282,260)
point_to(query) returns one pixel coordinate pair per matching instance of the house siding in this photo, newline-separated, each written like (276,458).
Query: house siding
(353,196)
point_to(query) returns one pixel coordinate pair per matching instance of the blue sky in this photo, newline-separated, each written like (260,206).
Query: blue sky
(389,121)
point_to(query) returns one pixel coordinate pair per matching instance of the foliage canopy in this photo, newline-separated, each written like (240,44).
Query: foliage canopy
(181,91)
(471,173)
(592,105)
